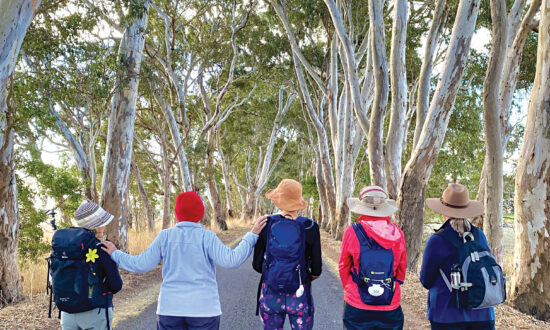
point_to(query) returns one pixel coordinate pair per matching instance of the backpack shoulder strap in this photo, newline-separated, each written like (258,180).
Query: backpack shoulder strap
(361,234)
(450,237)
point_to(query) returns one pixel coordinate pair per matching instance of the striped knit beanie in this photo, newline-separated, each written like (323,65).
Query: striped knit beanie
(90,216)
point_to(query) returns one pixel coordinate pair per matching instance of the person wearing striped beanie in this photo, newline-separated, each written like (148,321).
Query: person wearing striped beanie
(94,218)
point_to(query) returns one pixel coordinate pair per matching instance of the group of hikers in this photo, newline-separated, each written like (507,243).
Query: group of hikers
(462,277)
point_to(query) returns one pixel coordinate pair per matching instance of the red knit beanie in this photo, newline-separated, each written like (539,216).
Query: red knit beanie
(189,207)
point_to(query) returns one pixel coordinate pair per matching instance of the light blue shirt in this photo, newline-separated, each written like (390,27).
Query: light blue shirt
(188,253)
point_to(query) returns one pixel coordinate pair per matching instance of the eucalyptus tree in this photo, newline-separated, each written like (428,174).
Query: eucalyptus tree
(509,33)
(120,132)
(530,281)
(266,165)
(15,18)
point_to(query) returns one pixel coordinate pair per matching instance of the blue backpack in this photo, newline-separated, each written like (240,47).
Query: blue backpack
(284,267)
(374,278)
(478,279)
(72,272)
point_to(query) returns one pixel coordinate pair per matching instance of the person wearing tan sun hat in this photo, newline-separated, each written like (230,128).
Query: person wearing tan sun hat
(285,286)
(440,256)
(373,232)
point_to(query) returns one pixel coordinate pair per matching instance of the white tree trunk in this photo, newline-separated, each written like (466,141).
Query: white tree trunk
(423,97)
(396,130)
(178,142)
(226,179)
(530,281)
(15,18)
(79,155)
(517,34)
(267,166)
(412,190)
(120,136)
(493,223)
(381,89)
(144,197)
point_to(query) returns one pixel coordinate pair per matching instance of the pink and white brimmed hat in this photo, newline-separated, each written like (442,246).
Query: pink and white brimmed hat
(372,201)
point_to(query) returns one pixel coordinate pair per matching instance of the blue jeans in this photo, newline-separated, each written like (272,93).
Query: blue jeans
(362,319)
(487,325)
(187,323)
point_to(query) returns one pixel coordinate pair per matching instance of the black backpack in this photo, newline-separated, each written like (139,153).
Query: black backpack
(72,272)
(477,280)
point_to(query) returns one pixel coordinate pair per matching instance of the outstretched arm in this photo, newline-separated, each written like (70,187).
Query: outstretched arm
(141,263)
(231,258)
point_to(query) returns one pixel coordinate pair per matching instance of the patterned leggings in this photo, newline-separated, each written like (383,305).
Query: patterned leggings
(275,306)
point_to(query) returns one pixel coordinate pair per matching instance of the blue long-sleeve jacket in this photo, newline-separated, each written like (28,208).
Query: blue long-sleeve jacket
(189,254)
(439,253)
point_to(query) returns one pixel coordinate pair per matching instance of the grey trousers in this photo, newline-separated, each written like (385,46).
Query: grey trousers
(90,320)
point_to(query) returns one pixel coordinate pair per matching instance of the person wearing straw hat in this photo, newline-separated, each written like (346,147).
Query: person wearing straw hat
(301,250)
(188,297)
(372,305)
(96,314)
(439,255)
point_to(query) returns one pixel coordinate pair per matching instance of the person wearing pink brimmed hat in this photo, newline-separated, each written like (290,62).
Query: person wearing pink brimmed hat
(373,231)
(440,256)
(289,247)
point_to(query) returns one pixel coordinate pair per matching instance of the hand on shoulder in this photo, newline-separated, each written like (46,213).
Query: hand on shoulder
(259,224)
(108,247)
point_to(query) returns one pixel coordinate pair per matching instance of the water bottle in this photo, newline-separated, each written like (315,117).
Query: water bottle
(455,276)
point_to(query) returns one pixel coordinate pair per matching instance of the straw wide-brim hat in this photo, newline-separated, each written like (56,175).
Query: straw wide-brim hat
(455,203)
(287,196)
(373,201)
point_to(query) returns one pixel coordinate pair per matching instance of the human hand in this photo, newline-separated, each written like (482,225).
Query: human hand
(108,247)
(259,225)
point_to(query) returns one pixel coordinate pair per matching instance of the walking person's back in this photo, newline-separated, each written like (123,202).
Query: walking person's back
(288,255)
(83,276)
(372,264)
(455,261)
(188,297)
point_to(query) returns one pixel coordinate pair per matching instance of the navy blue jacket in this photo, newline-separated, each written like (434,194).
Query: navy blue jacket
(107,271)
(439,253)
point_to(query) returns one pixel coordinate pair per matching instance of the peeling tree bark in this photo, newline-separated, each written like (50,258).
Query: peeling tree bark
(381,89)
(15,18)
(493,224)
(396,130)
(120,136)
(412,192)
(517,31)
(530,281)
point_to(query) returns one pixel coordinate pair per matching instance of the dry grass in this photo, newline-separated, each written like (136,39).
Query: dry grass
(34,277)
(139,239)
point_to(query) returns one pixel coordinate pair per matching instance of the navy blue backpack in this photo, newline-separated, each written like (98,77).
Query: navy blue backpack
(481,283)
(374,278)
(72,274)
(284,267)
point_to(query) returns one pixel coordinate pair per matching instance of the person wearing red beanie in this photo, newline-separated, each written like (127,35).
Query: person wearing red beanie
(188,296)
(189,207)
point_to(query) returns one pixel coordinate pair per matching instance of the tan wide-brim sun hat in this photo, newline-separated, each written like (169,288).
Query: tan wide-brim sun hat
(287,196)
(455,203)
(372,201)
